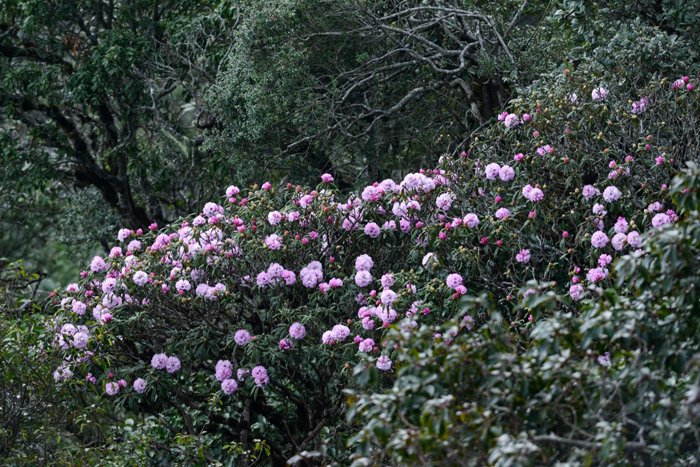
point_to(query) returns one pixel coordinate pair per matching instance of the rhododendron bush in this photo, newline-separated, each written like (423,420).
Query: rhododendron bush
(253,318)
(616,385)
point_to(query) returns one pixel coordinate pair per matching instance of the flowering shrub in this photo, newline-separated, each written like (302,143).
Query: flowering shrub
(617,385)
(292,287)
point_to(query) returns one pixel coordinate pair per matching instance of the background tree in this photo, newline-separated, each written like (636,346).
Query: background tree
(102,111)
(361,89)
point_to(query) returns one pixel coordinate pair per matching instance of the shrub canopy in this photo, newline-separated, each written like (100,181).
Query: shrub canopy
(462,313)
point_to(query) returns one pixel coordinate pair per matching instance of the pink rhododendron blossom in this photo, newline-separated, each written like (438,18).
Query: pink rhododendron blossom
(511,121)
(599,210)
(367,345)
(286,344)
(328,338)
(634,239)
(453,280)
(112,388)
(640,106)
(80,340)
(274,217)
(383,363)
(273,242)
(363,263)
(492,170)
(159,360)
(183,285)
(289,277)
(123,234)
(506,173)
(326,178)
(535,195)
(242,337)
(263,279)
(139,385)
(445,200)
(604,260)
(372,230)
(363,278)
(229,386)
(297,331)
(576,292)
(523,256)
(597,274)
(611,194)
(503,213)
(544,150)
(387,280)
(655,207)
(429,261)
(98,264)
(660,219)
(224,370)
(172,365)
(599,94)
(599,239)
(471,220)
(78,307)
(260,376)
(589,191)
(618,241)
(340,332)
(388,296)
(621,225)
